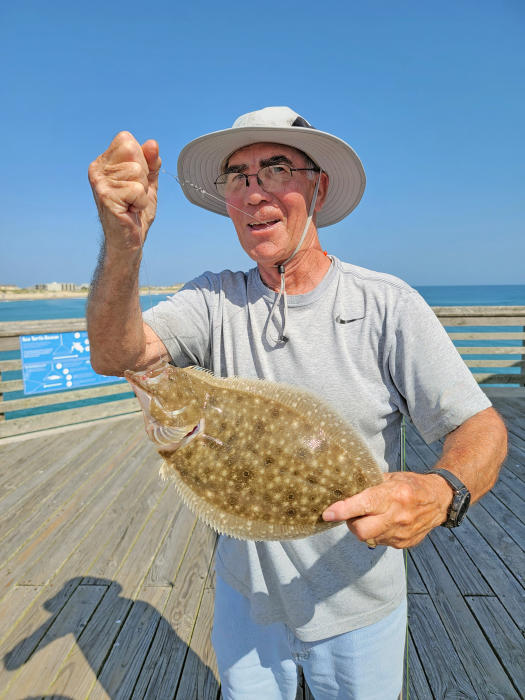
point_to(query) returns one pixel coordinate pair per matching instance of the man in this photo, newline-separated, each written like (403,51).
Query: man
(364,341)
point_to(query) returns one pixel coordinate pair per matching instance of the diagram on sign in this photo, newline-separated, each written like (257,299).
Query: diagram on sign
(58,361)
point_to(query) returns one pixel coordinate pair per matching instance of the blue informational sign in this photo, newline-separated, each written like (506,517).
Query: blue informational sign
(57,361)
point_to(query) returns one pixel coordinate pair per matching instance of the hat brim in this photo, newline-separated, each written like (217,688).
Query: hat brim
(200,163)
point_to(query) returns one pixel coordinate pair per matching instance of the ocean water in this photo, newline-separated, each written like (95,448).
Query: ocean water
(41,309)
(460,295)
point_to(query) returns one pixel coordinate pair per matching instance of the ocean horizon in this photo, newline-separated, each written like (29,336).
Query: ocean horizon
(434,295)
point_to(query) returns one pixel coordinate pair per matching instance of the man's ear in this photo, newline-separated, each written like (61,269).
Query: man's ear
(323,191)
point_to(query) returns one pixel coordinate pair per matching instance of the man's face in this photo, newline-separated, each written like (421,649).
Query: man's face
(280,217)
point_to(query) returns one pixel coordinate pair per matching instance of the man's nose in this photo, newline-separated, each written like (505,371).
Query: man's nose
(254,190)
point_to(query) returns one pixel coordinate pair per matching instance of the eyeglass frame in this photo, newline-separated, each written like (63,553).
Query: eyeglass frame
(248,175)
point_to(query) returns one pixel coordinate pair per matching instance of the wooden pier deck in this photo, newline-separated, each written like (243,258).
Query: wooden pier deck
(106,580)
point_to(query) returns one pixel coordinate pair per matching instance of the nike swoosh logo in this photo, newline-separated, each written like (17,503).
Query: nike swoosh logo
(338,319)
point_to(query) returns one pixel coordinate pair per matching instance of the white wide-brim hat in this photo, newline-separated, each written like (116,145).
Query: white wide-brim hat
(201,161)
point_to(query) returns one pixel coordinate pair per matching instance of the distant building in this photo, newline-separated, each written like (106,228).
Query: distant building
(57,287)
(8,288)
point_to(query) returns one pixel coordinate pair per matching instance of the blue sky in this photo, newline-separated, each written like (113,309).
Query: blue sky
(429,94)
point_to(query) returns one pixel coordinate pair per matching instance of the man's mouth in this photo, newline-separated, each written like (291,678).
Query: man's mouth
(261,225)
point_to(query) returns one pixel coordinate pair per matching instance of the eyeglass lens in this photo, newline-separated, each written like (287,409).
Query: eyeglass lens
(271,178)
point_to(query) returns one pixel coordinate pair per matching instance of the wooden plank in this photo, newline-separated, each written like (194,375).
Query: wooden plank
(486,335)
(489,350)
(102,553)
(508,512)
(510,550)
(104,627)
(509,489)
(461,568)
(9,344)
(200,677)
(514,413)
(25,636)
(27,507)
(131,569)
(517,434)
(55,325)
(126,659)
(442,665)
(30,463)
(17,600)
(172,550)
(63,397)
(81,513)
(138,493)
(503,635)
(495,363)
(461,627)
(414,581)
(515,462)
(415,684)
(501,580)
(419,456)
(34,676)
(14,458)
(75,678)
(11,385)
(164,665)
(10,365)
(498,378)
(34,471)
(478,321)
(67,417)
(41,555)
(130,517)
(62,584)
(472,311)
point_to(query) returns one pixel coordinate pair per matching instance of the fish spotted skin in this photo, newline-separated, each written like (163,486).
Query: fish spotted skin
(254,459)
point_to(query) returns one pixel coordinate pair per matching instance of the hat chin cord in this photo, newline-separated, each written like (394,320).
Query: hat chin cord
(281,267)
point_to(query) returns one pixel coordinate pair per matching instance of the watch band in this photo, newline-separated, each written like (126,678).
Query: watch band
(460,501)
(452,479)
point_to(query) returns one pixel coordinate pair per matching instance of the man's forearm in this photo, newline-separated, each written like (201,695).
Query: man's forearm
(474,452)
(114,317)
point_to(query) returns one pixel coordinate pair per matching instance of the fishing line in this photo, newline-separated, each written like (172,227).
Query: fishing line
(208,194)
(403,469)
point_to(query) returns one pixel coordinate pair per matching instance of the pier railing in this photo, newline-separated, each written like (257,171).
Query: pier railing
(491,340)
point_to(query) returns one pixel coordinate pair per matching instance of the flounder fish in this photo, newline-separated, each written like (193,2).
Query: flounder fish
(254,459)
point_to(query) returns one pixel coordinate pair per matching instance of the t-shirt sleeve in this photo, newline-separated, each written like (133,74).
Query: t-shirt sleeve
(183,322)
(439,390)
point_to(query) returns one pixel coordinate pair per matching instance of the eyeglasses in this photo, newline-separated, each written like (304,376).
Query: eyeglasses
(271,178)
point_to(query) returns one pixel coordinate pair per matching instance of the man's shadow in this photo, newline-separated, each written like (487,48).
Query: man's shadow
(116,633)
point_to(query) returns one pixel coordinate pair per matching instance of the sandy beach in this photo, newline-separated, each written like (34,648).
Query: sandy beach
(31,295)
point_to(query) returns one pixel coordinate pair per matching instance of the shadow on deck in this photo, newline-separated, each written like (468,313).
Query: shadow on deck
(107,582)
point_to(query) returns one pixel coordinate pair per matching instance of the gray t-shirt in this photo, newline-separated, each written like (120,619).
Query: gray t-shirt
(368,344)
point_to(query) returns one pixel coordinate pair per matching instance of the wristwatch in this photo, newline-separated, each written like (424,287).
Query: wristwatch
(460,501)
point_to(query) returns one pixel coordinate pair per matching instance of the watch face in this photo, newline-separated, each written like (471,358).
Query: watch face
(461,507)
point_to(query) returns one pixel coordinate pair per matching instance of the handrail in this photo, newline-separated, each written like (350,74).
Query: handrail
(491,368)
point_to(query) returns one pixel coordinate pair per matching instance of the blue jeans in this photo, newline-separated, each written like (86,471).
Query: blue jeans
(260,661)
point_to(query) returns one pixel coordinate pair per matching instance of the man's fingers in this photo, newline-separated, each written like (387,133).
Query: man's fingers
(367,502)
(150,149)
